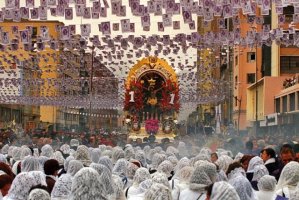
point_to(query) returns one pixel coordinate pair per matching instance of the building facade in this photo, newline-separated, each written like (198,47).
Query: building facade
(25,65)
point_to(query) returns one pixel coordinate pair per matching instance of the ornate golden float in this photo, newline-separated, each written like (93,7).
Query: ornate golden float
(151,99)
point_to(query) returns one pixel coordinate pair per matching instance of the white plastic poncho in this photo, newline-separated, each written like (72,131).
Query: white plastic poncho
(3,158)
(236,172)
(118,187)
(47,151)
(31,163)
(157,160)
(105,177)
(107,153)
(243,188)
(42,160)
(172,151)
(74,143)
(223,191)
(206,151)
(183,151)
(183,162)
(120,167)
(10,151)
(20,187)
(223,162)
(267,183)
(16,154)
(25,151)
(266,186)
(140,156)
(82,154)
(259,171)
(199,157)
(39,194)
(160,178)
(202,176)
(166,167)
(87,185)
(95,155)
(289,178)
(131,170)
(63,185)
(67,161)
(173,160)
(106,162)
(150,154)
(238,157)
(295,194)
(4,149)
(38,177)
(141,175)
(117,153)
(180,181)
(129,153)
(57,155)
(65,148)
(254,162)
(158,192)
(141,189)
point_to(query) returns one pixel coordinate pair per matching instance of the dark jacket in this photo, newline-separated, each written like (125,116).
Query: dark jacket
(273,167)
(50,183)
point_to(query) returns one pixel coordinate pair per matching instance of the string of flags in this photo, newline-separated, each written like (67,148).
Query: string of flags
(112,47)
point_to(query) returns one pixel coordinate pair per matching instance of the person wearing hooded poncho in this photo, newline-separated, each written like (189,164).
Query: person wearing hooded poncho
(63,185)
(120,169)
(39,194)
(167,168)
(222,191)
(203,175)
(82,154)
(158,191)
(30,163)
(95,155)
(243,188)
(20,187)
(106,162)
(87,185)
(288,180)
(106,179)
(182,178)
(141,175)
(266,186)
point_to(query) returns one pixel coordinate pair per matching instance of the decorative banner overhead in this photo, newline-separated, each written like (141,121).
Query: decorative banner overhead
(119,52)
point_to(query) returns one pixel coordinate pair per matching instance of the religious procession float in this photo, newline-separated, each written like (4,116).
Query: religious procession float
(151,100)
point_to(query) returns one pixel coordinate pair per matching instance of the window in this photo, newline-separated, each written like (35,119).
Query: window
(285,104)
(289,64)
(250,57)
(34,33)
(236,101)
(236,81)
(236,60)
(288,13)
(277,105)
(292,102)
(250,78)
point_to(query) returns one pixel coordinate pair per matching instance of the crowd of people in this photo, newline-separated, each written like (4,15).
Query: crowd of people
(261,169)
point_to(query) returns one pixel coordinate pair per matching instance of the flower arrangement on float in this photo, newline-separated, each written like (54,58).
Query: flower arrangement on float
(151,126)
(170,97)
(136,103)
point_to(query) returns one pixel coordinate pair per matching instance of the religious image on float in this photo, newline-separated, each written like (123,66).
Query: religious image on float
(152,101)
